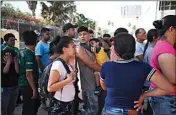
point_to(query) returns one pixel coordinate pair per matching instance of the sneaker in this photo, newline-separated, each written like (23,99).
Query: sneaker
(97,90)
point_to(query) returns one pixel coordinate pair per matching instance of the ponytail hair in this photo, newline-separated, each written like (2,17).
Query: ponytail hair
(165,23)
(152,33)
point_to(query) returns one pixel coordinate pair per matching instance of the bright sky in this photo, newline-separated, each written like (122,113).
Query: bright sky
(104,11)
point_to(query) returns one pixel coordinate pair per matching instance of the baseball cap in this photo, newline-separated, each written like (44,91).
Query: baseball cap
(67,26)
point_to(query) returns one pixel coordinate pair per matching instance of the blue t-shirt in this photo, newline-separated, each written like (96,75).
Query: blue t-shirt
(42,49)
(124,81)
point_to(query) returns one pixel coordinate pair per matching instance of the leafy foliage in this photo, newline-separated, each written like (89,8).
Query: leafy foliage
(10,13)
(58,11)
(32,6)
(81,20)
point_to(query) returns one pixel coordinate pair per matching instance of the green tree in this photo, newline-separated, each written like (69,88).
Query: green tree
(7,11)
(32,6)
(58,11)
(81,20)
(92,24)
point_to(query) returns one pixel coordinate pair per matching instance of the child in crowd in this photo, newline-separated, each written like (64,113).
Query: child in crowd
(101,57)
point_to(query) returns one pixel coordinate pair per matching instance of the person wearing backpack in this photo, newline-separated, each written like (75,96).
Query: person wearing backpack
(61,81)
(43,80)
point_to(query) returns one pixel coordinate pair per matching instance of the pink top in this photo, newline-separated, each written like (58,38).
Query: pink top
(161,47)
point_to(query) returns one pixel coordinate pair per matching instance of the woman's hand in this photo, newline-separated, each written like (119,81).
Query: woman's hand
(139,103)
(71,76)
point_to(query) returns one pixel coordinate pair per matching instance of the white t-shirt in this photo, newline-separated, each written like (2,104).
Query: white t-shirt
(68,92)
(139,48)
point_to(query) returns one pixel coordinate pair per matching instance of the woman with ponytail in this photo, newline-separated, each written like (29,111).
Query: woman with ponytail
(163,59)
(152,37)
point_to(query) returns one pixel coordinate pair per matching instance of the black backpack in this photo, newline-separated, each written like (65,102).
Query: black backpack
(43,82)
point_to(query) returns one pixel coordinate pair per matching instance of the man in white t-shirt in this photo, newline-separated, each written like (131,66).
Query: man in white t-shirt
(140,38)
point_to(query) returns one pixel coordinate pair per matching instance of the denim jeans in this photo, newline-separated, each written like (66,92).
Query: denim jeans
(90,104)
(163,105)
(114,111)
(9,97)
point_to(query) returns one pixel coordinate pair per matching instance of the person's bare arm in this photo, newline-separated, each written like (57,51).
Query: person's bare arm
(155,92)
(31,81)
(30,78)
(164,88)
(8,59)
(167,63)
(82,55)
(102,84)
(39,63)
(97,78)
(161,82)
(6,68)
(16,65)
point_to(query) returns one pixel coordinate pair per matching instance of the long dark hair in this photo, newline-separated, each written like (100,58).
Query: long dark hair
(165,23)
(124,45)
(152,33)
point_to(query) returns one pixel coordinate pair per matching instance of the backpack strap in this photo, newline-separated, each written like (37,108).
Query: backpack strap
(76,65)
(76,81)
(65,65)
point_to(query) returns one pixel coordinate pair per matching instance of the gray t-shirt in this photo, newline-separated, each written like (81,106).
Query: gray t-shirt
(87,78)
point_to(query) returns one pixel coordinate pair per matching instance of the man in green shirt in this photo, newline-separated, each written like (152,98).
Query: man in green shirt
(28,80)
(9,39)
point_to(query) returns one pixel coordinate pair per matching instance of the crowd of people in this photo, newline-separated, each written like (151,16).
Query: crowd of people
(119,75)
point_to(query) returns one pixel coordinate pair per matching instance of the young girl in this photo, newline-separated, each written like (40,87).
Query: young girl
(60,81)
(101,57)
